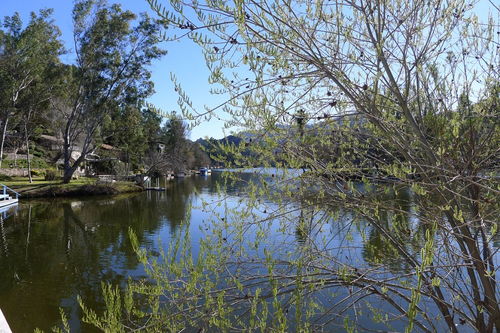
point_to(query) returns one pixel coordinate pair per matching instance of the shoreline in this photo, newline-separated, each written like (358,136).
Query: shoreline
(56,190)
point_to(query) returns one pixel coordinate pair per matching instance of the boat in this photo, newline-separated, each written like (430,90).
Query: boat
(205,171)
(4,326)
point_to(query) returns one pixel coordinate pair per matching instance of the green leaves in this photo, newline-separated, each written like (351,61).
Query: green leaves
(29,61)
(379,106)
(112,71)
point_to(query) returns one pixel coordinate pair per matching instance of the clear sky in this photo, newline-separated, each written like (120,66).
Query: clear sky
(184,59)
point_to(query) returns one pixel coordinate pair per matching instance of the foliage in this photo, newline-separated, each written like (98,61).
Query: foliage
(50,174)
(98,99)
(111,73)
(171,149)
(28,60)
(220,151)
(36,162)
(369,99)
(129,130)
(4,178)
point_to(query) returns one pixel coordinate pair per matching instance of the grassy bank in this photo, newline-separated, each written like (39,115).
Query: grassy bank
(80,187)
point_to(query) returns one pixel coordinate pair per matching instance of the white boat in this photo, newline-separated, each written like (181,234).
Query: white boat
(4,326)
(205,171)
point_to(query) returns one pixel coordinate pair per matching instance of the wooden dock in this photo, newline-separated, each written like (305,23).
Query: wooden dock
(8,197)
(6,201)
(4,326)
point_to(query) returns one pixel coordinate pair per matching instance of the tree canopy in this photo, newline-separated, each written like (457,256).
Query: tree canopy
(28,58)
(100,98)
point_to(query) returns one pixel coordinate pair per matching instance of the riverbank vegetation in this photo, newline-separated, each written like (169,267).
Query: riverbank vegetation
(89,116)
(42,188)
(355,93)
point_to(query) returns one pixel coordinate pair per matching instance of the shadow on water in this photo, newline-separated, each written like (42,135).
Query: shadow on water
(53,250)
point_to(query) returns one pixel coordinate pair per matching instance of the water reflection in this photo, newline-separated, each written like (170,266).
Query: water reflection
(53,250)
(398,223)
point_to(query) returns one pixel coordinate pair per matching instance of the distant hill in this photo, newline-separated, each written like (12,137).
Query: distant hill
(247,140)
(230,139)
(213,147)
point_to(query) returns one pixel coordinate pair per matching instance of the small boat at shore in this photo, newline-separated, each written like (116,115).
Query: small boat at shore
(4,326)
(205,171)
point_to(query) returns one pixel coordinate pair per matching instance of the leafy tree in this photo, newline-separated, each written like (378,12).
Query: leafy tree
(126,131)
(404,96)
(111,71)
(27,55)
(174,136)
(200,157)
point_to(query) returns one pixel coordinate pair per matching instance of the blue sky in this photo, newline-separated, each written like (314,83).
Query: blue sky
(184,59)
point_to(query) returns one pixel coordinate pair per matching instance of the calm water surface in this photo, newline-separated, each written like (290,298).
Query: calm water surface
(51,251)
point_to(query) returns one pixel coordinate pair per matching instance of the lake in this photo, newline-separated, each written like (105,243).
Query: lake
(53,250)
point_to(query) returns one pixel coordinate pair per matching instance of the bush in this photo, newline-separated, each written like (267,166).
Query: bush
(39,153)
(5,178)
(50,174)
(36,163)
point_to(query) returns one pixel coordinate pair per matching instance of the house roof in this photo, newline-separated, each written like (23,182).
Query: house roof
(54,139)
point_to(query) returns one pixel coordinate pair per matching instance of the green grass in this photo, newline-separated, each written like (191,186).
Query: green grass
(24,181)
(36,163)
(51,188)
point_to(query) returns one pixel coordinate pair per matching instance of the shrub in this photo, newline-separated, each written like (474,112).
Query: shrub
(50,174)
(5,178)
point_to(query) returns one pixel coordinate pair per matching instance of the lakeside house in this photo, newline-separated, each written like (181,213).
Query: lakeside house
(50,149)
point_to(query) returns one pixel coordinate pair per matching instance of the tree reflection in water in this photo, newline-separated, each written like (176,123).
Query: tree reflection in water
(53,250)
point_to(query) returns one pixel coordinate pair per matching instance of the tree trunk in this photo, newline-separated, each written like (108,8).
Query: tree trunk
(68,170)
(68,174)
(15,157)
(127,165)
(4,132)
(28,160)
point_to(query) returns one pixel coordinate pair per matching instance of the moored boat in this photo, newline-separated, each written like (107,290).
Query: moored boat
(205,171)
(4,326)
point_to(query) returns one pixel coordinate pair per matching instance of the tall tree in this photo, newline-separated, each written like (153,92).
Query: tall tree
(26,56)
(111,70)
(34,106)
(174,137)
(134,132)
